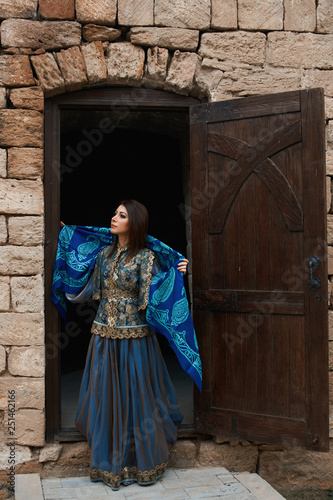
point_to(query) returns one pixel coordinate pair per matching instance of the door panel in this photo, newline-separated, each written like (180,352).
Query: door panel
(258,214)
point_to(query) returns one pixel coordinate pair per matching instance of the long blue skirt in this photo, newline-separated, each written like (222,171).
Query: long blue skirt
(127,410)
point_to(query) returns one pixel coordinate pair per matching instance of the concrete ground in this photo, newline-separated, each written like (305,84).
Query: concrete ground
(181,484)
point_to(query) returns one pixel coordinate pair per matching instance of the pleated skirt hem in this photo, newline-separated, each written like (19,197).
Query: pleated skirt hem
(144,478)
(127,410)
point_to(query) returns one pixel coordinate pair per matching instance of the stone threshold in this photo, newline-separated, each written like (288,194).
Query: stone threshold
(176,483)
(28,487)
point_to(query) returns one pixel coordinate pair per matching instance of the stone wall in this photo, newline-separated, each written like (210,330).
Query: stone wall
(215,49)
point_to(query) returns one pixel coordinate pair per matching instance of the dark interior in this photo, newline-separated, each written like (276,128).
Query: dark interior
(108,156)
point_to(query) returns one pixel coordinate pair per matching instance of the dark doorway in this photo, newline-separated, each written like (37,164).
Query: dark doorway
(107,156)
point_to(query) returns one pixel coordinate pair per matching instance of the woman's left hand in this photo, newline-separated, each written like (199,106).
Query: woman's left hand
(182,266)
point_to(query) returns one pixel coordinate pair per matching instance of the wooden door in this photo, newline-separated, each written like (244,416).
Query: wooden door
(259,267)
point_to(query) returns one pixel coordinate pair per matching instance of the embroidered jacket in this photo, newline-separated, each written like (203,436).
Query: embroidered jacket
(167,311)
(122,287)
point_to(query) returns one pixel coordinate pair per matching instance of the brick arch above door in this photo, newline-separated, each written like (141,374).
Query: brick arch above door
(118,64)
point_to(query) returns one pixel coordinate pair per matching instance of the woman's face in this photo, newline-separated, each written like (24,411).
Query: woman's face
(120,222)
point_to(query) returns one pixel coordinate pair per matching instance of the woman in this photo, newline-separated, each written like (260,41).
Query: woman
(127,405)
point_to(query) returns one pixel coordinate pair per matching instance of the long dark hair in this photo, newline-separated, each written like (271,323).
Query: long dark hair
(138,226)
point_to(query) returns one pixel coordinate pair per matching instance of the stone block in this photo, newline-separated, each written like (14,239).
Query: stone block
(330,271)
(50,453)
(15,260)
(192,14)
(330,355)
(2,360)
(19,8)
(136,12)
(27,361)
(330,229)
(169,38)
(300,50)
(93,55)
(328,108)
(125,64)
(236,458)
(22,454)
(72,68)
(29,392)
(319,78)
(25,163)
(21,329)
(331,388)
(30,427)
(329,147)
(254,82)
(3,162)
(156,67)
(57,9)
(21,128)
(325,16)
(3,230)
(97,11)
(296,468)
(207,79)
(3,98)
(328,193)
(224,14)
(260,14)
(329,162)
(48,74)
(27,98)
(31,467)
(26,231)
(48,35)
(15,71)
(21,197)
(74,454)
(181,72)
(240,46)
(27,293)
(4,293)
(95,32)
(300,15)
(183,455)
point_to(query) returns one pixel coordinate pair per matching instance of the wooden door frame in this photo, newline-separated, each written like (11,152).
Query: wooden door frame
(131,99)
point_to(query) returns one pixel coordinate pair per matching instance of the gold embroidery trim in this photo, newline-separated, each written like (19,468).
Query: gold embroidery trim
(121,333)
(142,477)
(114,295)
(149,278)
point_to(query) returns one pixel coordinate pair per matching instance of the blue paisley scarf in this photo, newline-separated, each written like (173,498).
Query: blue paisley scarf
(167,311)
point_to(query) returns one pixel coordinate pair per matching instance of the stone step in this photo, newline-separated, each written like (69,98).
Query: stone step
(208,482)
(28,487)
(258,486)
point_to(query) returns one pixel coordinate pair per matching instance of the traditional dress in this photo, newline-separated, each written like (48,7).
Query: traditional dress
(127,404)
